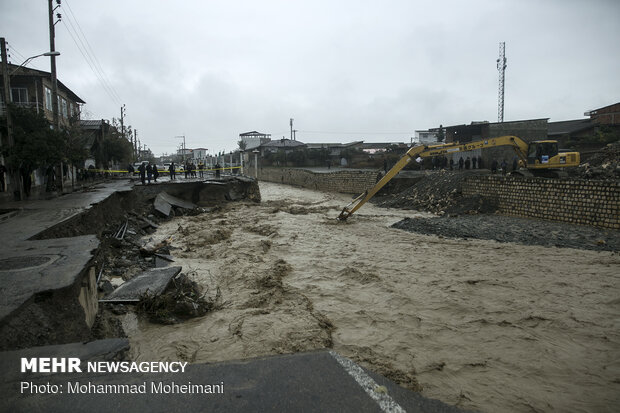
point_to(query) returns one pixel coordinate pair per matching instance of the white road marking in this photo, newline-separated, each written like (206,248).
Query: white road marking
(376,392)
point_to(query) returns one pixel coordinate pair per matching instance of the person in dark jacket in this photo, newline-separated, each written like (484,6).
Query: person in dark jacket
(149,172)
(461,162)
(142,170)
(474,160)
(494,166)
(467,163)
(172,171)
(155,172)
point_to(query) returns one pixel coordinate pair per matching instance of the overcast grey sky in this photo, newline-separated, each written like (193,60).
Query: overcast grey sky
(344,70)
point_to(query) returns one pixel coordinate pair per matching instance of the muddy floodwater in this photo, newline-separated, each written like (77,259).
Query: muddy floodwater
(481,324)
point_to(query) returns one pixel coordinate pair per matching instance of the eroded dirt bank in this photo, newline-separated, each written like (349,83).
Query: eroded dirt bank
(482,324)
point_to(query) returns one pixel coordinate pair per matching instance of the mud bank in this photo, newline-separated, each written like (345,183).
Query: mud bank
(477,323)
(518,230)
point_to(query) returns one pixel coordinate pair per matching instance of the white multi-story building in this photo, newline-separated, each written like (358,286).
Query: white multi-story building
(425,137)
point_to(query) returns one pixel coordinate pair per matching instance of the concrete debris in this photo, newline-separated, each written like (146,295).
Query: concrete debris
(153,282)
(164,202)
(440,193)
(182,300)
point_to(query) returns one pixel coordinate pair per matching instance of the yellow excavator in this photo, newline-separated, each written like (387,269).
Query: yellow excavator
(539,157)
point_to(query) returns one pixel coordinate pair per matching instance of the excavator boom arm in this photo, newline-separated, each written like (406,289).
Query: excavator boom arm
(424,151)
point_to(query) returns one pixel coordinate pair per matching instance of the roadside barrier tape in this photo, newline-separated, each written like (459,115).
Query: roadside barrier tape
(376,392)
(164,171)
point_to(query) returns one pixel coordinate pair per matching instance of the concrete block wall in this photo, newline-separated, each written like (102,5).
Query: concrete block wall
(595,203)
(343,181)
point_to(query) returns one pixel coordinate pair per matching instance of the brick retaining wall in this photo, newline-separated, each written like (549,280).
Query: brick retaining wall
(345,181)
(578,201)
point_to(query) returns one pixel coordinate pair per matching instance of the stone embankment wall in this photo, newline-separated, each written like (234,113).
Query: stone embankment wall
(577,201)
(344,181)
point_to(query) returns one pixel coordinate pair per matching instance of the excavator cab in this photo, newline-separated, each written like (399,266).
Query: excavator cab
(541,152)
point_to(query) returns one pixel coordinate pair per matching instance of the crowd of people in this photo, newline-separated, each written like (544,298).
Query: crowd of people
(473,162)
(148,171)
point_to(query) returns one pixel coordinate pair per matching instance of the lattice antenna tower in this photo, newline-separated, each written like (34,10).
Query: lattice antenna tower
(501,67)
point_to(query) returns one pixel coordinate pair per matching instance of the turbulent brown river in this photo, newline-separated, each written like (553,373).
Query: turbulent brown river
(484,325)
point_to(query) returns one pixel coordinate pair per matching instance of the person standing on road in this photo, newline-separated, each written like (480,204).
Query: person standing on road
(461,162)
(149,172)
(480,166)
(217,170)
(504,166)
(474,160)
(172,171)
(451,164)
(142,171)
(155,172)
(494,166)
(201,169)
(467,163)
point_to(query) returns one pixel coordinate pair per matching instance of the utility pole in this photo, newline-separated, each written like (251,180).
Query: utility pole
(294,134)
(501,66)
(291,128)
(135,143)
(55,77)
(53,61)
(123,120)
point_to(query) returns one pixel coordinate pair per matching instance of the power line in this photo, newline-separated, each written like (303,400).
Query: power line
(88,57)
(11,48)
(92,53)
(105,87)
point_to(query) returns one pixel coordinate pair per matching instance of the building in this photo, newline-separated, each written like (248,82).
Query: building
(607,115)
(254,139)
(528,130)
(33,88)
(602,124)
(425,137)
(199,155)
(94,132)
(571,130)
(286,145)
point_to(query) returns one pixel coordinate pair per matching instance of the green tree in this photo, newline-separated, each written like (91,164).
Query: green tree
(242,145)
(35,145)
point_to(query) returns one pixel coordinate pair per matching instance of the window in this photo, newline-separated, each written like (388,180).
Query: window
(64,108)
(48,99)
(19,94)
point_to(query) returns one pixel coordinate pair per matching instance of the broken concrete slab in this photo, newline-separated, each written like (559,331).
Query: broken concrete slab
(153,281)
(38,276)
(164,203)
(163,260)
